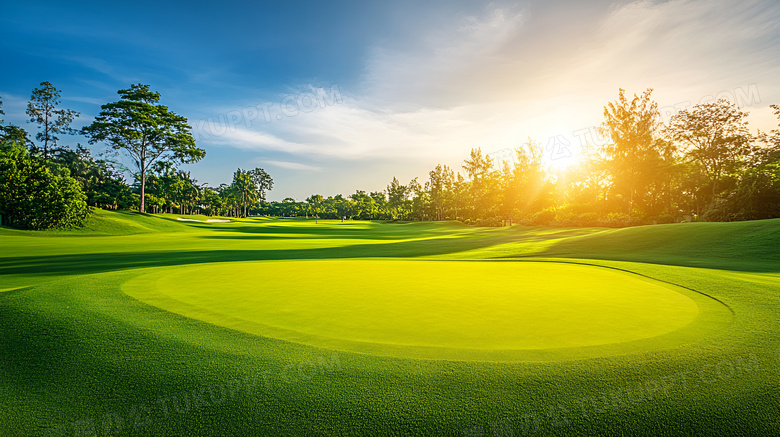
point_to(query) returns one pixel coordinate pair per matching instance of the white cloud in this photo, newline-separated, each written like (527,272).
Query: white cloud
(246,139)
(90,100)
(14,107)
(291,165)
(441,63)
(684,43)
(491,81)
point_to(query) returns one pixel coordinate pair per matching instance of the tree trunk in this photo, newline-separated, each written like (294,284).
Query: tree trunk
(46,137)
(714,181)
(143,185)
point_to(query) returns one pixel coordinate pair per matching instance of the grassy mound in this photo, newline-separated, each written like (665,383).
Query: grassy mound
(751,245)
(81,357)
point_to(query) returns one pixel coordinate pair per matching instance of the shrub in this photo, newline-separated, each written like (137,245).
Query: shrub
(37,195)
(489,222)
(756,197)
(664,219)
(615,220)
(543,217)
(589,219)
(719,211)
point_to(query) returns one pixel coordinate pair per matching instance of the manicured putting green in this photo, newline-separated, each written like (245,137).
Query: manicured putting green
(437,309)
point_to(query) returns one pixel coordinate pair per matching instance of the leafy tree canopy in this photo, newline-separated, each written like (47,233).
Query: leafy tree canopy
(147,131)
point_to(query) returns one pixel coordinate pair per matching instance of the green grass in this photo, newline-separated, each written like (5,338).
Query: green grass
(437,310)
(81,356)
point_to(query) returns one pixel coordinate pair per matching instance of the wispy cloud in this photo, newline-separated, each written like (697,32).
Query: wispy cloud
(14,106)
(493,79)
(683,43)
(244,138)
(291,165)
(443,64)
(90,100)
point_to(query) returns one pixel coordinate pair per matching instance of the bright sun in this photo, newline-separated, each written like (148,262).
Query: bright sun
(561,158)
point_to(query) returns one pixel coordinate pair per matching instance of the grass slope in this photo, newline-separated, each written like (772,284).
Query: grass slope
(78,356)
(751,246)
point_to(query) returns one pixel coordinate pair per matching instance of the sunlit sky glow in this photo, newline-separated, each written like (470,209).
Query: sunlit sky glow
(403,85)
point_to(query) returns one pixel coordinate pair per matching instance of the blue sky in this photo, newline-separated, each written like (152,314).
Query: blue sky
(331,97)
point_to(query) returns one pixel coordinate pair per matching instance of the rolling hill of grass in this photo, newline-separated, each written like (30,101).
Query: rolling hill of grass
(79,356)
(752,245)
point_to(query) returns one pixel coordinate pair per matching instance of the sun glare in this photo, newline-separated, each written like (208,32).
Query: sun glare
(571,159)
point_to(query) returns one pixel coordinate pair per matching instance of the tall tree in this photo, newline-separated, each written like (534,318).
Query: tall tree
(365,205)
(458,193)
(210,200)
(262,180)
(229,201)
(716,136)
(245,189)
(588,182)
(525,188)
(420,201)
(42,110)
(345,208)
(772,140)
(396,198)
(315,202)
(441,179)
(250,186)
(145,130)
(289,207)
(479,168)
(507,195)
(632,128)
(380,202)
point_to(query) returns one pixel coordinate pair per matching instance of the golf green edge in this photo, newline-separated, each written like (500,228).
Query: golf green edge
(711,317)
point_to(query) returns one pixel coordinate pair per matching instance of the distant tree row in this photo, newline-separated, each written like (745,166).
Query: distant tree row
(703,165)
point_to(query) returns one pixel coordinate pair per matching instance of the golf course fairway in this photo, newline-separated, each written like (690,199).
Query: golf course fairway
(437,309)
(145,325)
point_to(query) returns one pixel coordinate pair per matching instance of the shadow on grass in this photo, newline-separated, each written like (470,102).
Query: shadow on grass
(356,230)
(755,253)
(80,365)
(103,262)
(733,264)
